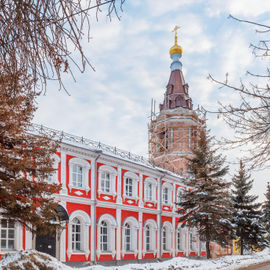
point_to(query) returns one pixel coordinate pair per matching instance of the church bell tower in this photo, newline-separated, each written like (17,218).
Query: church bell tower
(173,130)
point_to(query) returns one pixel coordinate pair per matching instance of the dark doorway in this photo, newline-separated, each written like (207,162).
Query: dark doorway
(46,243)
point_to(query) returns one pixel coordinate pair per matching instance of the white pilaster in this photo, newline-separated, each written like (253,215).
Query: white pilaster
(174,236)
(63,172)
(140,235)
(141,190)
(118,234)
(93,244)
(119,185)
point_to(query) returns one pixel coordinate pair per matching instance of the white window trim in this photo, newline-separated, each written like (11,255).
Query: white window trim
(182,238)
(17,229)
(154,187)
(113,174)
(54,174)
(169,234)
(192,246)
(85,221)
(179,190)
(153,236)
(135,181)
(112,225)
(85,173)
(170,189)
(134,226)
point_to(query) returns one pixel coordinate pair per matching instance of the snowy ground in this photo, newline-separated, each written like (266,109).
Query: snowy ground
(26,260)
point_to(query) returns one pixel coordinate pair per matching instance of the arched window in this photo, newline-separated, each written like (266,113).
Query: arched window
(166,237)
(106,227)
(128,187)
(7,236)
(76,235)
(103,236)
(148,237)
(77,175)
(192,240)
(149,191)
(105,182)
(127,237)
(180,239)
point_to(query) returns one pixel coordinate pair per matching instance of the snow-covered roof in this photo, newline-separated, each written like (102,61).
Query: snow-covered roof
(94,146)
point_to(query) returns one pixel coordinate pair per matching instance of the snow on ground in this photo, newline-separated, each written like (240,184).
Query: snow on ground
(33,260)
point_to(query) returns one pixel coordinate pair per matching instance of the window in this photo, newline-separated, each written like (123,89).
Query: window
(148,238)
(128,187)
(192,241)
(171,137)
(105,182)
(180,239)
(164,238)
(53,176)
(149,192)
(127,237)
(7,235)
(77,175)
(104,236)
(76,235)
(165,195)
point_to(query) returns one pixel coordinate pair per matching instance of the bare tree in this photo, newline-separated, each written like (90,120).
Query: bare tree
(40,36)
(250,118)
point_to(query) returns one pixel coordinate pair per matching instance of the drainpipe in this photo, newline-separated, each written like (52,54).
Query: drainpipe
(99,152)
(160,212)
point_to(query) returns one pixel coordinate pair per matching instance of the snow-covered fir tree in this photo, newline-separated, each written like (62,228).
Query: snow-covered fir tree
(246,212)
(205,205)
(266,212)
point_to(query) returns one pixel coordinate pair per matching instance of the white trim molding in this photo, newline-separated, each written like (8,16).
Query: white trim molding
(85,221)
(112,226)
(154,184)
(134,228)
(112,173)
(135,180)
(85,173)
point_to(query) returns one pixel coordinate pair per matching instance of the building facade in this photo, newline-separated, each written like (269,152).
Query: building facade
(114,205)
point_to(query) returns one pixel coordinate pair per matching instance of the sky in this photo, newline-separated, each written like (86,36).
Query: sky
(131,60)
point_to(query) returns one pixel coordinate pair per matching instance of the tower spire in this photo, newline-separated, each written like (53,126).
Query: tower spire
(176,94)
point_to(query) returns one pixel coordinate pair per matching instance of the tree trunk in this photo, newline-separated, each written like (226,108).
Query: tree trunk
(208,253)
(241,246)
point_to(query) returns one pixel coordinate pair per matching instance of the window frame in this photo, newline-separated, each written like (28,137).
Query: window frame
(134,186)
(85,222)
(74,233)
(85,173)
(7,238)
(53,177)
(147,182)
(150,226)
(113,174)
(167,186)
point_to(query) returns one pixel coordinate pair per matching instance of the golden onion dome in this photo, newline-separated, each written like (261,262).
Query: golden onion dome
(176,48)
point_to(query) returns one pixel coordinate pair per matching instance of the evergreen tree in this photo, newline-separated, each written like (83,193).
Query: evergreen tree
(246,213)
(25,160)
(266,212)
(205,205)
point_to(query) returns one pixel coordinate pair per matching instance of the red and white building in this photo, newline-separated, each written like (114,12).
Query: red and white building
(114,205)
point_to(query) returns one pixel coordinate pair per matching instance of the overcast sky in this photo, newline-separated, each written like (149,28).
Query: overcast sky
(131,59)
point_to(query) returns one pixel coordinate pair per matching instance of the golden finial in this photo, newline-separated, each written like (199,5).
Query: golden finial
(175,48)
(175,33)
